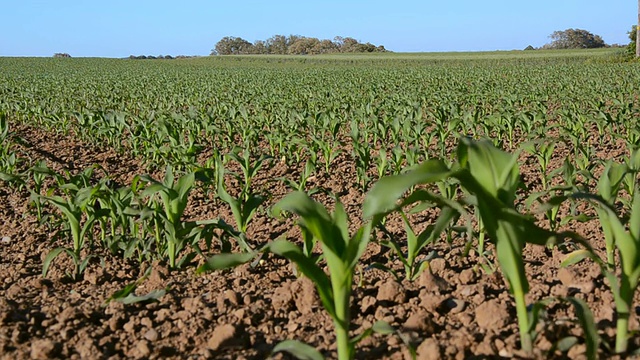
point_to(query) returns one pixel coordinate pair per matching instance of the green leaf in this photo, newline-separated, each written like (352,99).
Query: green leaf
(577,256)
(315,218)
(634,220)
(298,349)
(610,181)
(50,256)
(383,196)
(495,170)
(225,261)
(566,343)
(125,291)
(383,327)
(587,321)
(151,296)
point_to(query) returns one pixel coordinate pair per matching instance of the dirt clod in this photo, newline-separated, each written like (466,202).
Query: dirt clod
(44,349)
(391,291)
(429,350)
(492,315)
(222,336)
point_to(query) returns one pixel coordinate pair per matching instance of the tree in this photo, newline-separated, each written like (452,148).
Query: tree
(303,46)
(575,39)
(638,32)
(293,44)
(632,48)
(230,45)
(260,47)
(325,46)
(61,55)
(277,44)
(349,44)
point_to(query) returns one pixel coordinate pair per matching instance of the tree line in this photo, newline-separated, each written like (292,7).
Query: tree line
(292,45)
(583,39)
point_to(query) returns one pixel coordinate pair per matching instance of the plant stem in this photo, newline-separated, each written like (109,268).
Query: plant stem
(172,253)
(622,327)
(623,307)
(342,295)
(523,319)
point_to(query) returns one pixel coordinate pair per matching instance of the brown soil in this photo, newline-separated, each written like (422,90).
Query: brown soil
(456,309)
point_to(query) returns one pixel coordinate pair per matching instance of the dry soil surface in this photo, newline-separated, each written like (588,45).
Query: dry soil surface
(458,308)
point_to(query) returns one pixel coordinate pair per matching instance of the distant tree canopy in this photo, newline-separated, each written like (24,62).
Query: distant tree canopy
(292,45)
(633,35)
(61,55)
(574,39)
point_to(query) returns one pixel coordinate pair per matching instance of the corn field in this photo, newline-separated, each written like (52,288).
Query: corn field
(385,206)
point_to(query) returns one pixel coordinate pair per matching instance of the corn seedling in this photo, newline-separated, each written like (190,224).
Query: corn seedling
(244,206)
(341,253)
(78,209)
(491,176)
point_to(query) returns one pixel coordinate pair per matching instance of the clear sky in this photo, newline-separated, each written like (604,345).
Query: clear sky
(119,28)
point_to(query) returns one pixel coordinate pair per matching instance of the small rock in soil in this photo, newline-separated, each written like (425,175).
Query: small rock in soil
(391,291)
(429,350)
(420,322)
(492,315)
(437,265)
(430,301)
(45,349)
(232,296)
(367,303)
(223,335)
(432,282)
(86,348)
(467,276)
(130,325)
(304,295)
(282,297)
(151,335)
(146,322)
(142,349)
(162,315)
(452,305)
(566,277)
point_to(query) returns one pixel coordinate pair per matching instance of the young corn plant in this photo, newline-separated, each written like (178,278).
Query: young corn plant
(625,236)
(78,208)
(543,151)
(170,229)
(305,175)
(172,233)
(382,163)
(341,252)
(362,156)
(39,172)
(491,177)
(244,206)
(330,151)
(608,188)
(416,242)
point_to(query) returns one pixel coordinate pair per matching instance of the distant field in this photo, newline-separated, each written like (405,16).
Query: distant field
(428,56)
(119,178)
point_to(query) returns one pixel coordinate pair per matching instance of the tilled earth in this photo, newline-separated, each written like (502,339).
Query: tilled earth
(458,308)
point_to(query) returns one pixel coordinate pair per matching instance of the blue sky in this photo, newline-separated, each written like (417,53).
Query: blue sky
(120,28)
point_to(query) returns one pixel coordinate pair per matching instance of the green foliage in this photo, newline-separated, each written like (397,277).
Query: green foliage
(292,45)
(341,252)
(633,36)
(491,177)
(384,115)
(575,39)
